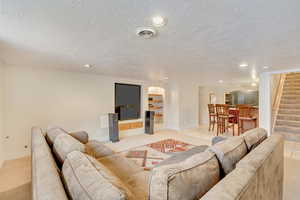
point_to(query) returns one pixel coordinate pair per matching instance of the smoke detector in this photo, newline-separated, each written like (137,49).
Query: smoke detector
(146,32)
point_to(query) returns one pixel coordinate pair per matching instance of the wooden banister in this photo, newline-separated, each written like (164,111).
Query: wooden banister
(277,98)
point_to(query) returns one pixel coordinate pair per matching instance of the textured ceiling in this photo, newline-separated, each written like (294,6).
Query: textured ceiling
(204,39)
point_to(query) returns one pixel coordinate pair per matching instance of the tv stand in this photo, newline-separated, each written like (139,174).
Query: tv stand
(130,125)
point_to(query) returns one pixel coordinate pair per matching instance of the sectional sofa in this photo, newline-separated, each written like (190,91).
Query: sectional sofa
(69,166)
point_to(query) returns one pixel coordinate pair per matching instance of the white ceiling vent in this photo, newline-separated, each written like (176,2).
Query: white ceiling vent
(146,32)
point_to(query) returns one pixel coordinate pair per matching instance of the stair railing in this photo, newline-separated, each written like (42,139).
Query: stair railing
(277,98)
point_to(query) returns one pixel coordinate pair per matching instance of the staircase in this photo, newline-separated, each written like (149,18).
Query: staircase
(288,117)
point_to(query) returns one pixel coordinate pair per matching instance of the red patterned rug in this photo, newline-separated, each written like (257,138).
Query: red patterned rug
(170,146)
(150,155)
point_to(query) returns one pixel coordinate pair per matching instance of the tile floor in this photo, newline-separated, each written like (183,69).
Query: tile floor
(17,172)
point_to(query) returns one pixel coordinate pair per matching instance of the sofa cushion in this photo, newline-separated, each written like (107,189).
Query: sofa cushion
(187,179)
(229,152)
(86,178)
(97,149)
(65,144)
(181,156)
(254,137)
(52,133)
(81,136)
(129,172)
(121,166)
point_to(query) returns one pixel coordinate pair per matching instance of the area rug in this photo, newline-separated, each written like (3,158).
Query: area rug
(150,155)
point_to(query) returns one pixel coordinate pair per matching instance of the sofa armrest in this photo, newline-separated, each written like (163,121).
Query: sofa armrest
(236,185)
(98,149)
(81,136)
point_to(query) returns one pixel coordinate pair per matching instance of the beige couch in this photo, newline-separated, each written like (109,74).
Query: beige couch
(69,166)
(258,176)
(247,167)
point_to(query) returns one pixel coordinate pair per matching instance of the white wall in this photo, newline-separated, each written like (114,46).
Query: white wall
(182,104)
(265,104)
(172,106)
(188,104)
(74,101)
(1,115)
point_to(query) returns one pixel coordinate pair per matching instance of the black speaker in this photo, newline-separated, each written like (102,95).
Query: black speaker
(113,127)
(149,122)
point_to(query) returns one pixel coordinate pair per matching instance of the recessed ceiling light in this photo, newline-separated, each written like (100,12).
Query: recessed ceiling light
(266,67)
(221,81)
(253,84)
(87,66)
(166,78)
(158,21)
(243,65)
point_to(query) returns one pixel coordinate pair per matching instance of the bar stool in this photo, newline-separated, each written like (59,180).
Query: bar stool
(224,118)
(246,115)
(212,116)
(233,119)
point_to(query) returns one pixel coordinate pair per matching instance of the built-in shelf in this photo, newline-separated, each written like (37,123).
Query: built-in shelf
(155,103)
(228,98)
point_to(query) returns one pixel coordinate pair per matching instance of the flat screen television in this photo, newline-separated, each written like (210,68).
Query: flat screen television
(127,101)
